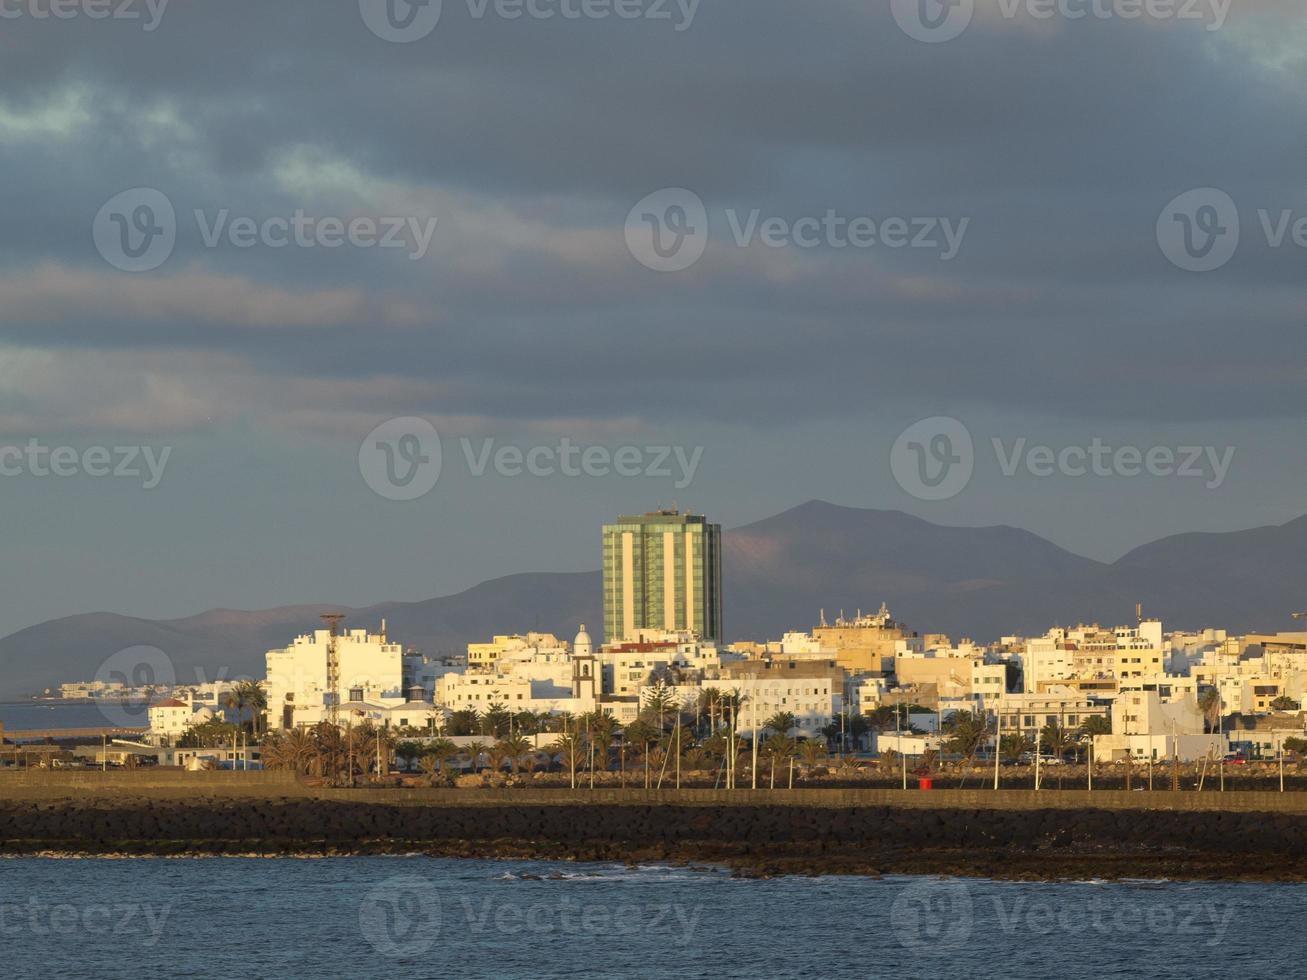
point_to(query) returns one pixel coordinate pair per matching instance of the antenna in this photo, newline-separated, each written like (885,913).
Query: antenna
(333,665)
(1139,613)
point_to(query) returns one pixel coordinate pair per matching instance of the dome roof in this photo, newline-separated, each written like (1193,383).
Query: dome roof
(582,641)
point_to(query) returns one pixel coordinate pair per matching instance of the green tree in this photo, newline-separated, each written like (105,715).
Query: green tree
(1284,703)
(781,723)
(1057,741)
(659,701)
(408,752)
(214,733)
(1014,746)
(814,753)
(513,749)
(777,749)
(1209,702)
(497,720)
(1298,746)
(966,731)
(1095,725)
(464,722)
(435,756)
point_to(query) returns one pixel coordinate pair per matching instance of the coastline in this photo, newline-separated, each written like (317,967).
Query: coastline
(752,839)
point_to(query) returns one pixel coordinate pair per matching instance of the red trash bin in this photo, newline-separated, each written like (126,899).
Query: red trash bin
(925,783)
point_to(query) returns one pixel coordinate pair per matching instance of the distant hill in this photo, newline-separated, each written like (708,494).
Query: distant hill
(778,574)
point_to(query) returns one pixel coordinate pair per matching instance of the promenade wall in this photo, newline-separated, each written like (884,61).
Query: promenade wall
(180,785)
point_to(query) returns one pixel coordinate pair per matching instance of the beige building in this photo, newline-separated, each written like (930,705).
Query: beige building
(864,644)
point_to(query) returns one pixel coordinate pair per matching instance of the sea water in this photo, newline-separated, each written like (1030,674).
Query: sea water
(426,917)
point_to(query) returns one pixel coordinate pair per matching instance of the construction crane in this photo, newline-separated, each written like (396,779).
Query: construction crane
(333,665)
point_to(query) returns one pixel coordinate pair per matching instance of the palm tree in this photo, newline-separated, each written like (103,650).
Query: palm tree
(1096,725)
(777,747)
(475,750)
(1014,746)
(966,731)
(407,752)
(514,748)
(571,750)
(781,723)
(1209,701)
(642,734)
(1058,741)
(814,753)
(250,694)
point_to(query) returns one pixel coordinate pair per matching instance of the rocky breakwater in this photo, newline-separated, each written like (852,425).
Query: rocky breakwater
(754,839)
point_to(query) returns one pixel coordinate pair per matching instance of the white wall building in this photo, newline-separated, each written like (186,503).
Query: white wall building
(371,669)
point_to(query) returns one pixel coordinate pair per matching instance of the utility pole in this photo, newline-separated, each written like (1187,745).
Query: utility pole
(1279,750)
(678,750)
(1039,742)
(998,741)
(753,714)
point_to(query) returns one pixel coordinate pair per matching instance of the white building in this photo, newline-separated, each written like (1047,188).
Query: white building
(171,718)
(1146,727)
(370,669)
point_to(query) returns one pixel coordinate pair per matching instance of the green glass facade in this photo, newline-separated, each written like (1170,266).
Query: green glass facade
(662,571)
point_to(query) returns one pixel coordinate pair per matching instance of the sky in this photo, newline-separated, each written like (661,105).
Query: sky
(355,300)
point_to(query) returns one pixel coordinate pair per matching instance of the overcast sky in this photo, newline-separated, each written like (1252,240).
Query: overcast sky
(987,228)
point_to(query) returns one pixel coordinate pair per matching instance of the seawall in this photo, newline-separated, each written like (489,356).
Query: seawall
(1013,834)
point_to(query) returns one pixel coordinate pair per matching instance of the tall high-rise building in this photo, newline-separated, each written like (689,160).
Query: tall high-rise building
(662,571)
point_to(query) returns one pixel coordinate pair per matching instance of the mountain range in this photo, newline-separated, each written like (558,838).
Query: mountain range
(778,574)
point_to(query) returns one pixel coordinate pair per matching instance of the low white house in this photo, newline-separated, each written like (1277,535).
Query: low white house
(170,718)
